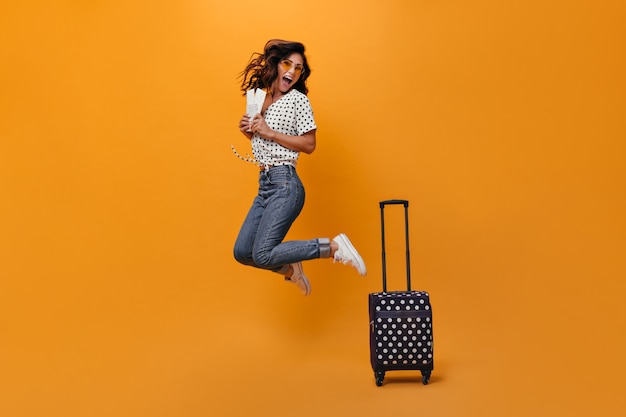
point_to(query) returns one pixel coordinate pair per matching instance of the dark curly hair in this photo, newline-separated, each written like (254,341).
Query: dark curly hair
(262,70)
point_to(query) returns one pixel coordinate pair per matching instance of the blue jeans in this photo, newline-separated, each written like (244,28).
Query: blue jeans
(277,205)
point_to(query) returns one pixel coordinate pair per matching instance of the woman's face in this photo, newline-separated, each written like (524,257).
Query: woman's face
(289,71)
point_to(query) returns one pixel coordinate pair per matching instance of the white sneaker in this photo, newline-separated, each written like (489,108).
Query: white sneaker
(299,278)
(348,255)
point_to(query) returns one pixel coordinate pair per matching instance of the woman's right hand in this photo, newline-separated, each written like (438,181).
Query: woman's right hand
(244,126)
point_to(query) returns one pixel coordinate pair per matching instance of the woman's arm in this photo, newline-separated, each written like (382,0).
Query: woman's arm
(304,143)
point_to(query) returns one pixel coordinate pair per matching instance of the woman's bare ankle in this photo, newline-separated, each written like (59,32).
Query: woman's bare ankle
(333,248)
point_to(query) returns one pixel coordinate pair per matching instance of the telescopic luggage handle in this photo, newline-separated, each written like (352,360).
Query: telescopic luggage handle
(405,203)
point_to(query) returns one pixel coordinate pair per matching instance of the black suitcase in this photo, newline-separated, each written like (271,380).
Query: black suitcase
(401,325)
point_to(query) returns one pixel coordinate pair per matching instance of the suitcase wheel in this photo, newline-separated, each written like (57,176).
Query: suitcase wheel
(425,377)
(380,376)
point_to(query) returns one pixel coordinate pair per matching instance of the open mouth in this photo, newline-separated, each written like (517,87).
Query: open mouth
(287,81)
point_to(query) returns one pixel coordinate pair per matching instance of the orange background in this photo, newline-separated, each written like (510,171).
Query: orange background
(501,122)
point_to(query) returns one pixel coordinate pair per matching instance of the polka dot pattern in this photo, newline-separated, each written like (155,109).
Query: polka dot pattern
(292,115)
(401,330)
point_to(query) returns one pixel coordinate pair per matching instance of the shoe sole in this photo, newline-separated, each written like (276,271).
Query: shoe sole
(348,245)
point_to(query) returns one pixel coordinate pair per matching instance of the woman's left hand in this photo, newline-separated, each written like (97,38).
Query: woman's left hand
(260,126)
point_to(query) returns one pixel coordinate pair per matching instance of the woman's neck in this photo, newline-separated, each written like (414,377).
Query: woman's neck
(276,94)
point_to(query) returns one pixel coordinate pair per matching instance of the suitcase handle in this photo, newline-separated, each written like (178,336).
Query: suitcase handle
(387,202)
(405,203)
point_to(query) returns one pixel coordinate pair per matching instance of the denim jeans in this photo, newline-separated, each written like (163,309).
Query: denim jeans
(277,205)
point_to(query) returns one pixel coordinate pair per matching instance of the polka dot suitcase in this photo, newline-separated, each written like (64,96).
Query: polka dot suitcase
(401,326)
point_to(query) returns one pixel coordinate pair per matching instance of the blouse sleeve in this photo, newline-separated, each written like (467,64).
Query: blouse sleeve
(304,115)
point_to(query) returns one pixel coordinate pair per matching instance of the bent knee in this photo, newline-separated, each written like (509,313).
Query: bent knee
(242,256)
(262,259)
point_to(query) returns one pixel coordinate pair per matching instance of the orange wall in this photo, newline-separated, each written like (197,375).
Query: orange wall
(501,122)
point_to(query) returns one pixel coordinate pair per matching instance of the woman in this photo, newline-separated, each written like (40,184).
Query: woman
(284,128)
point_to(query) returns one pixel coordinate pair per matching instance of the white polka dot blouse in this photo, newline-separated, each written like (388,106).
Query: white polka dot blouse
(292,115)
